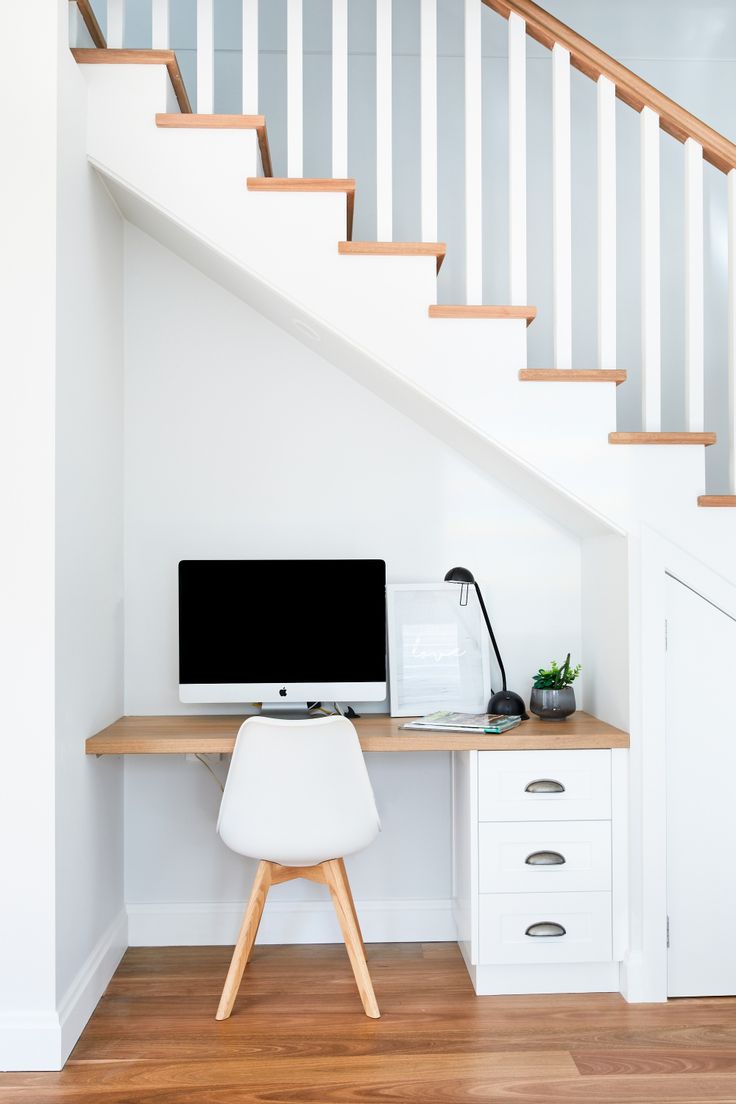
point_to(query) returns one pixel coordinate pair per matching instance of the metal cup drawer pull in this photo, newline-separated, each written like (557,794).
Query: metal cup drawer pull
(545,858)
(545,928)
(544,786)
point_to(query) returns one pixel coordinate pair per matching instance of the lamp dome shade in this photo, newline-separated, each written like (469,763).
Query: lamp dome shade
(508,704)
(459,575)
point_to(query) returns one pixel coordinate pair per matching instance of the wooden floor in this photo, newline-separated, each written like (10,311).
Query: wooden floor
(298,1035)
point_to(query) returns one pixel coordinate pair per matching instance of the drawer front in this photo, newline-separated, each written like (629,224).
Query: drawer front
(544,785)
(545,856)
(506,918)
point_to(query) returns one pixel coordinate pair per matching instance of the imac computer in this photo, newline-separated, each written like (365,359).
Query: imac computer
(282,632)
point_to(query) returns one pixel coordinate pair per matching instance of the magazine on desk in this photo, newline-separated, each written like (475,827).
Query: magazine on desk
(443,721)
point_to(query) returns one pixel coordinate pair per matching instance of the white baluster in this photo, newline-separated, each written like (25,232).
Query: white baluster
(160,24)
(115,24)
(250,57)
(294,89)
(517,160)
(561,209)
(428,107)
(694,289)
(473,160)
(606,223)
(339,88)
(205,57)
(384,159)
(651,350)
(732,327)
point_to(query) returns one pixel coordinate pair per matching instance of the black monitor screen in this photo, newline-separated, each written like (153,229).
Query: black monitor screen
(248,621)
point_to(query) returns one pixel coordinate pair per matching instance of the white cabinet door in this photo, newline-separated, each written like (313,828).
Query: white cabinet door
(701,783)
(544,785)
(544,927)
(544,856)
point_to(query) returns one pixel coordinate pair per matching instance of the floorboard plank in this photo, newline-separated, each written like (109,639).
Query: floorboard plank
(298,1036)
(655,1060)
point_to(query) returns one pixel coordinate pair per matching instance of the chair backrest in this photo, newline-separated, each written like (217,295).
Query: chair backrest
(297,792)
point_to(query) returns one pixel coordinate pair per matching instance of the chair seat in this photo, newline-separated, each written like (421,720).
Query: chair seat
(298,799)
(298,792)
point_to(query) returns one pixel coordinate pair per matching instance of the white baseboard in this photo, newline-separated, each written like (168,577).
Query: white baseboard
(212,923)
(30,1041)
(44,1040)
(83,995)
(639,983)
(573,977)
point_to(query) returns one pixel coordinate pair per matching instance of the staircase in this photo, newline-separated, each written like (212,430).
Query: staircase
(203,185)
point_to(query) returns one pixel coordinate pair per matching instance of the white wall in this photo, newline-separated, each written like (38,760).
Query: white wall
(90,917)
(240,442)
(62,926)
(605,628)
(27,354)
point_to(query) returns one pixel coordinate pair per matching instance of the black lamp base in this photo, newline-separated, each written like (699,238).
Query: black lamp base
(508,704)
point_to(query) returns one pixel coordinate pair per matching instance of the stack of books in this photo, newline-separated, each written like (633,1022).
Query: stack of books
(464,722)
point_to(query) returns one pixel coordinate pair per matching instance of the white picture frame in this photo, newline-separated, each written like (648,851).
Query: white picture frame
(438,650)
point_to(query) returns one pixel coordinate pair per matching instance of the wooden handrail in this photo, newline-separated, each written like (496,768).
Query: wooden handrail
(90,22)
(630,88)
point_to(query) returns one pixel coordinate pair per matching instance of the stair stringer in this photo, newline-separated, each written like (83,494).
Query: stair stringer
(368,315)
(381,379)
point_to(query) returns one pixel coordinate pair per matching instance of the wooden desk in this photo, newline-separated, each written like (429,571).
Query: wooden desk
(593,788)
(203,734)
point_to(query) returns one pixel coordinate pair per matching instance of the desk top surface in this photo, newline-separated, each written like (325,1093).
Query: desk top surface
(213,734)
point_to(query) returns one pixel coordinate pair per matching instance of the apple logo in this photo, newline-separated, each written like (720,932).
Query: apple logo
(282,691)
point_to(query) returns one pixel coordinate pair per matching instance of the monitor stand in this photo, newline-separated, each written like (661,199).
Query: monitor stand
(289,711)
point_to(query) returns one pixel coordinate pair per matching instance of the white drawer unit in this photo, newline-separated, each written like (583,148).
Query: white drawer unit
(539,868)
(544,856)
(544,785)
(524,928)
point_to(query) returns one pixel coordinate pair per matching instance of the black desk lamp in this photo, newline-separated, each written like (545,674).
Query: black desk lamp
(505,701)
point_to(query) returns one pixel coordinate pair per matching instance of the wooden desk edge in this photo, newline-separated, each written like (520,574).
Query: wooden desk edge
(128,736)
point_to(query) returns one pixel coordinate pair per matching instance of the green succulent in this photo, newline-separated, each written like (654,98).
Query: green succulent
(556,677)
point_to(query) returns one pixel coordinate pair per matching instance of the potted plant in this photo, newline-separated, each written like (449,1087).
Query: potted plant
(553,698)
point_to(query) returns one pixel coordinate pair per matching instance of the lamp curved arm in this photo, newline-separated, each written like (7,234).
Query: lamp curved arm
(490,633)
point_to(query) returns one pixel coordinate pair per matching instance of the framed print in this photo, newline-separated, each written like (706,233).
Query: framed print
(438,650)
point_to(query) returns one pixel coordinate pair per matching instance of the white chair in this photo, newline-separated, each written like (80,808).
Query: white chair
(298,798)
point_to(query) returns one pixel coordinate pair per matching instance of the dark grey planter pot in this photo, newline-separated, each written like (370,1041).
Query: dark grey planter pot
(553,705)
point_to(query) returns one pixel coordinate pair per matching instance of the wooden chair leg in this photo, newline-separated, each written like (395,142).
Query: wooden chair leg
(349,894)
(246,939)
(255,924)
(339,887)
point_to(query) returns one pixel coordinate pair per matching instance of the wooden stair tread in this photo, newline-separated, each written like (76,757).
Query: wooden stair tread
(210,122)
(93,56)
(661,438)
(90,21)
(574,375)
(308,184)
(442,310)
(717,500)
(394,249)
(192,121)
(301,184)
